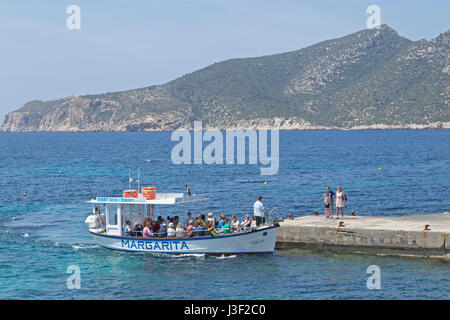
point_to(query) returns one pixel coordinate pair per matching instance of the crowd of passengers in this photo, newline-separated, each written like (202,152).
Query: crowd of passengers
(200,227)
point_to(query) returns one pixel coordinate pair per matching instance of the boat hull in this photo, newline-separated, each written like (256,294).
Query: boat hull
(258,241)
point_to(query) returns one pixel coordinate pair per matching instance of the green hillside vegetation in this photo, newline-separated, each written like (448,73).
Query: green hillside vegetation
(366,78)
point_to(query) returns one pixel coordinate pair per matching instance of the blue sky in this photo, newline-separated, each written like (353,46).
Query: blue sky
(131,44)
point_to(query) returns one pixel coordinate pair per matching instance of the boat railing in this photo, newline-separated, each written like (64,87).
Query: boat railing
(194,233)
(272,213)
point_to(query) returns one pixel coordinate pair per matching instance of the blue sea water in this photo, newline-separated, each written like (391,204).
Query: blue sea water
(391,173)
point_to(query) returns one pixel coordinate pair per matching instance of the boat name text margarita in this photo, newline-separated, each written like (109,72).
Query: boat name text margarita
(155,245)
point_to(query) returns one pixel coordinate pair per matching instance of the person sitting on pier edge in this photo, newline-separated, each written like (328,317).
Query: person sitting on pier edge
(247,223)
(137,230)
(180,233)
(128,230)
(259,211)
(234,224)
(171,230)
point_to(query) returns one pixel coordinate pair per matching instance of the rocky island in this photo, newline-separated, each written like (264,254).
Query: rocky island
(371,79)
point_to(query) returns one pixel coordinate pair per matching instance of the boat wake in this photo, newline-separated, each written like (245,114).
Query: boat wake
(84,246)
(21,238)
(185,255)
(226,257)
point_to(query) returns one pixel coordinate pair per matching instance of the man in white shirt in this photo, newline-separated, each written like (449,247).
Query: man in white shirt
(259,211)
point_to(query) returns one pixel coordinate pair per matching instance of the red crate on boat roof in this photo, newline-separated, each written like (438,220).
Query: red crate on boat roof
(130,193)
(149,192)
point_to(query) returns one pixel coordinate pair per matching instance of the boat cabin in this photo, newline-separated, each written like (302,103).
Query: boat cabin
(111,213)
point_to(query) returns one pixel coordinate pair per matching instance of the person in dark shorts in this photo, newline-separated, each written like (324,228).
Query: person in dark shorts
(259,211)
(327,203)
(332,198)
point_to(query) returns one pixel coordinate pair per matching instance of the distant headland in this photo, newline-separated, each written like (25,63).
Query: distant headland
(371,79)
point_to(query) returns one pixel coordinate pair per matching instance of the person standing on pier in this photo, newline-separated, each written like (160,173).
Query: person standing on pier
(259,211)
(340,201)
(327,203)
(332,199)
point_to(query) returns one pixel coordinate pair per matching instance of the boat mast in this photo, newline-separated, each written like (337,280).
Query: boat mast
(130,180)
(138,181)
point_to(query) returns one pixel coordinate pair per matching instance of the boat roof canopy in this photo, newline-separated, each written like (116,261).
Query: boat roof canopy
(161,198)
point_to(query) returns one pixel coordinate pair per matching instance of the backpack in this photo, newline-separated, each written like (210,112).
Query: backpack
(344,197)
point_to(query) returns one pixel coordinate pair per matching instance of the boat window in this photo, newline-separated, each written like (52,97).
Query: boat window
(112,215)
(137,209)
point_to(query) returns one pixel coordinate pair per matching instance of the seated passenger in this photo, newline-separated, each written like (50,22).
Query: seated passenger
(128,230)
(200,230)
(155,228)
(208,228)
(137,230)
(234,224)
(226,227)
(199,219)
(188,217)
(189,229)
(148,221)
(180,233)
(221,221)
(211,219)
(246,224)
(163,230)
(171,230)
(147,232)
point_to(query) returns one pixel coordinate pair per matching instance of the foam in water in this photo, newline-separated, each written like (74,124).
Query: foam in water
(83,246)
(226,257)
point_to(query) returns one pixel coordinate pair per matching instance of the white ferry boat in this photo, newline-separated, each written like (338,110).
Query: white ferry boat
(107,223)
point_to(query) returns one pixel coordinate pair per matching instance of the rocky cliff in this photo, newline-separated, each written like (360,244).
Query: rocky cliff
(369,79)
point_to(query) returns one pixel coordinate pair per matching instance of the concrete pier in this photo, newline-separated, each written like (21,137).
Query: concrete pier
(375,235)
